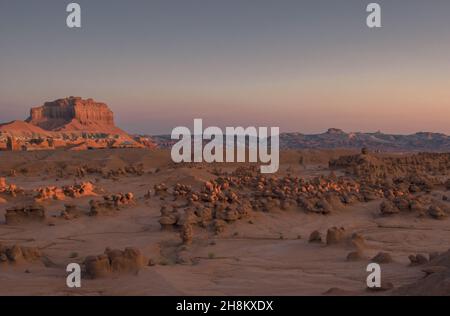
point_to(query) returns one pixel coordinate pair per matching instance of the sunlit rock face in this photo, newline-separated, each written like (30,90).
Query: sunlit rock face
(81,114)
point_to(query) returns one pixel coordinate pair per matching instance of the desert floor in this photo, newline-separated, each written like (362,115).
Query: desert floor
(268,254)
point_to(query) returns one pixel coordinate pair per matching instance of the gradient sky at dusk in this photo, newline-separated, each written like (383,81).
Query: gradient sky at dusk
(302,65)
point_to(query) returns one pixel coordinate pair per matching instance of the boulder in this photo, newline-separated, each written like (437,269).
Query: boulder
(388,208)
(17,254)
(436,212)
(79,190)
(335,235)
(97,266)
(382,257)
(315,237)
(417,260)
(49,193)
(130,260)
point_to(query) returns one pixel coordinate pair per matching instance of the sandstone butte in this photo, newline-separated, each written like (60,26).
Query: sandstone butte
(73,123)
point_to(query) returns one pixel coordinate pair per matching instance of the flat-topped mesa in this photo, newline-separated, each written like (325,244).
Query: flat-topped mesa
(82,113)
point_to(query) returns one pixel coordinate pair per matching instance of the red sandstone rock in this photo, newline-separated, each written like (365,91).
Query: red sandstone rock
(9,189)
(79,190)
(49,193)
(2,184)
(418,259)
(73,123)
(82,113)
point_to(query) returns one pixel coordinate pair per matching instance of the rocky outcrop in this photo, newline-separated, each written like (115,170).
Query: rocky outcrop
(382,257)
(57,114)
(388,208)
(10,190)
(71,211)
(25,214)
(335,235)
(111,204)
(73,123)
(3,185)
(315,237)
(73,191)
(49,193)
(17,254)
(434,282)
(115,262)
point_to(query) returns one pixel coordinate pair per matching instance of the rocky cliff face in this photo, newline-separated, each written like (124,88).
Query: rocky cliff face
(83,113)
(72,123)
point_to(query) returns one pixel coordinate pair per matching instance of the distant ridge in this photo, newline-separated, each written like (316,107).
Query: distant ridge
(79,119)
(335,138)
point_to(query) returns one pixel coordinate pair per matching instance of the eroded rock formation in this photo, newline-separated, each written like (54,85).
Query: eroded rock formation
(111,203)
(84,113)
(73,123)
(73,191)
(17,254)
(115,262)
(25,214)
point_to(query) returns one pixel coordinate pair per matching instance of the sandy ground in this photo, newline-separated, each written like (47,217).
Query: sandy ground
(269,255)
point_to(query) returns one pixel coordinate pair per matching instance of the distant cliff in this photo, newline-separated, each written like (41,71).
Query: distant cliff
(337,139)
(71,122)
(73,114)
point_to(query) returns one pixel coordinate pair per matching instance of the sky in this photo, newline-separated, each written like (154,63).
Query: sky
(304,66)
